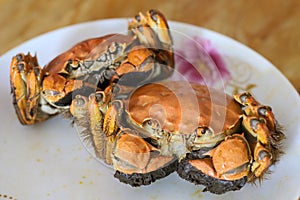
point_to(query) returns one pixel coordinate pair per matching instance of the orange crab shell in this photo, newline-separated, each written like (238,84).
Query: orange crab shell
(177,102)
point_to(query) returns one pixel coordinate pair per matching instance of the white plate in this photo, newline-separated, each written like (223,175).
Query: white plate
(48,161)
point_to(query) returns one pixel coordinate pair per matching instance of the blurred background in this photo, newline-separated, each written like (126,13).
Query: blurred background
(272,28)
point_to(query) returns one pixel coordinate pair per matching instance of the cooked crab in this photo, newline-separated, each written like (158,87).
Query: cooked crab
(91,65)
(147,129)
(205,135)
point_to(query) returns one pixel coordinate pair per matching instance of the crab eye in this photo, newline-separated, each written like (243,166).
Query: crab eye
(69,65)
(201,131)
(151,123)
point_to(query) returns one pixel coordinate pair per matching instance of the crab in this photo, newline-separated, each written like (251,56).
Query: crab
(91,65)
(116,89)
(207,136)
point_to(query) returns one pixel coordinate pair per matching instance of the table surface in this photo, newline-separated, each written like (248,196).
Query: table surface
(272,28)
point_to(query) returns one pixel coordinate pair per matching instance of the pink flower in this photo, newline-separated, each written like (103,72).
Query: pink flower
(199,61)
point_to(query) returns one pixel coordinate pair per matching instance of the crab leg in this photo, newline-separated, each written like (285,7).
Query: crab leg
(263,159)
(151,28)
(153,31)
(25,78)
(223,168)
(89,119)
(264,136)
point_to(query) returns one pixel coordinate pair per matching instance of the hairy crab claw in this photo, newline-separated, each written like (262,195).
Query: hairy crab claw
(137,162)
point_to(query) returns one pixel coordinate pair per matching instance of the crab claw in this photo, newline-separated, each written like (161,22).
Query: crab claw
(152,31)
(224,168)
(229,159)
(137,162)
(158,28)
(25,80)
